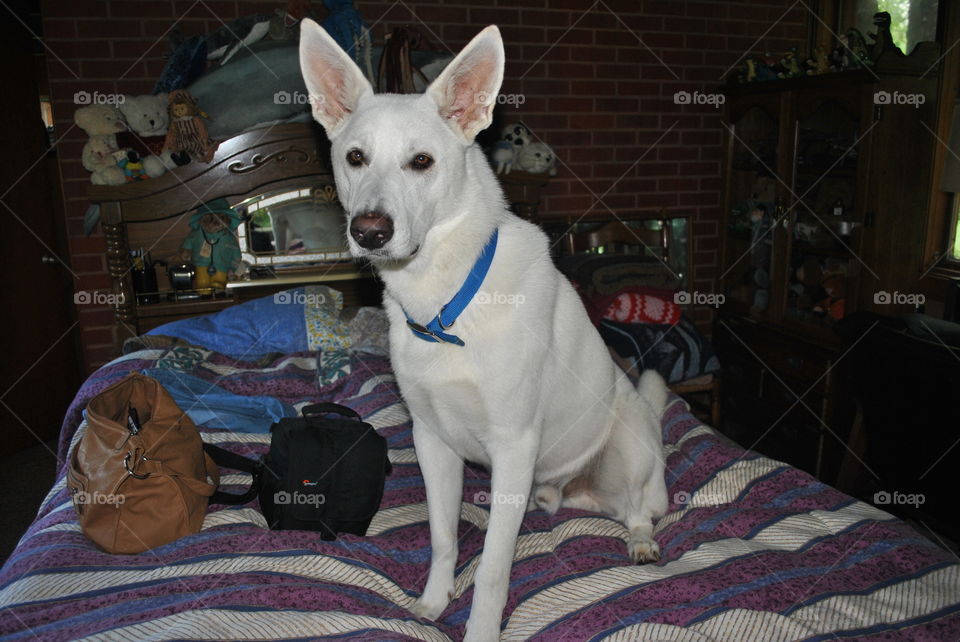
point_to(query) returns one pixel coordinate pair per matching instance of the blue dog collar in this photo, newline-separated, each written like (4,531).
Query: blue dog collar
(434,331)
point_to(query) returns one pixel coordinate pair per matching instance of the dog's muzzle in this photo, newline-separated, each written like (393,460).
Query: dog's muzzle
(371,230)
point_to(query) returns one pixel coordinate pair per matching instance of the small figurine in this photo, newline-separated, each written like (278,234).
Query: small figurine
(760,69)
(819,62)
(852,52)
(132,165)
(834,275)
(883,39)
(212,247)
(823,59)
(790,66)
(187,133)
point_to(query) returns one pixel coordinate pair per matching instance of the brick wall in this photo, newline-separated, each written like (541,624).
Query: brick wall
(598,81)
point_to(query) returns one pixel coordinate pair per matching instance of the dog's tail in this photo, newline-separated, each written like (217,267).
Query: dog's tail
(653,388)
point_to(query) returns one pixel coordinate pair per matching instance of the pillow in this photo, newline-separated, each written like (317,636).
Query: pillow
(637,307)
(297,320)
(678,352)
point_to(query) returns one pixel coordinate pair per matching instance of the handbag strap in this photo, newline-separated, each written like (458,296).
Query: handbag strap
(329,407)
(227,459)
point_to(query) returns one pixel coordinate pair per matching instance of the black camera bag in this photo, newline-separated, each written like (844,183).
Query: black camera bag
(323,473)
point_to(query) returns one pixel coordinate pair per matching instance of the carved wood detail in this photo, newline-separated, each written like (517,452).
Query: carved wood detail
(259,160)
(118,266)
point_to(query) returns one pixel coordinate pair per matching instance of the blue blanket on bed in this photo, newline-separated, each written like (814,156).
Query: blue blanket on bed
(255,328)
(210,405)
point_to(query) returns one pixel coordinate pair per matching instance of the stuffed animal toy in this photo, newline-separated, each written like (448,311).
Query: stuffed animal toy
(187,132)
(212,247)
(147,119)
(129,162)
(505,151)
(537,158)
(833,304)
(101,123)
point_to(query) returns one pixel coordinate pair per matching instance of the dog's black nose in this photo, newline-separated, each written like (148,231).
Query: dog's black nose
(371,230)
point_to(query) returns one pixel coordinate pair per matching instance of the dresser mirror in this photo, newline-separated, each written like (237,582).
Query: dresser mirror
(292,227)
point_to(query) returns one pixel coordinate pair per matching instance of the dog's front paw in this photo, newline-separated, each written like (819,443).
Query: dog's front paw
(431,604)
(643,549)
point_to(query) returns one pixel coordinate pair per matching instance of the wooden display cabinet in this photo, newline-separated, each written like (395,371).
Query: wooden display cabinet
(827,186)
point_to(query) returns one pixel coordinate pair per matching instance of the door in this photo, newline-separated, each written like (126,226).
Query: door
(40,365)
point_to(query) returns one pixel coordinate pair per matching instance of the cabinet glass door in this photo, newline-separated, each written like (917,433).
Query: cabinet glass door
(824,213)
(753,193)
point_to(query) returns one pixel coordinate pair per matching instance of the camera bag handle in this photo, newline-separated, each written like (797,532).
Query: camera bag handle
(227,459)
(329,407)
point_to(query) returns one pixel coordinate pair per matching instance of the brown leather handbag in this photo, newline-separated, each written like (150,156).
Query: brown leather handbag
(139,476)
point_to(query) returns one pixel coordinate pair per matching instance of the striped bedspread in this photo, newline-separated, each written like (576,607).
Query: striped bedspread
(752,549)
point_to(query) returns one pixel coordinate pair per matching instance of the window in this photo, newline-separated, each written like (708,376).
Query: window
(911,21)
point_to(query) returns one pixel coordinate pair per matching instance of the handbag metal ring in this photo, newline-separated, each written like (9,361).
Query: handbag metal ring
(126,466)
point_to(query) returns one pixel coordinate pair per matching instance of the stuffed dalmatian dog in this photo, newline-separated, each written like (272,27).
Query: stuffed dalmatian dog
(513,138)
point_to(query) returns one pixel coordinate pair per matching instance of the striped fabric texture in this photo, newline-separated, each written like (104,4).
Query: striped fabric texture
(752,550)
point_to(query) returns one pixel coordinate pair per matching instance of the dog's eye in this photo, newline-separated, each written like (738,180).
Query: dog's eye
(355,157)
(421,162)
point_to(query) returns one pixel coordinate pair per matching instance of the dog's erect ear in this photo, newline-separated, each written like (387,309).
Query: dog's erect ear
(333,80)
(466,91)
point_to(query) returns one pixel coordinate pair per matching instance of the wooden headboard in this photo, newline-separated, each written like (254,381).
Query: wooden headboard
(154,214)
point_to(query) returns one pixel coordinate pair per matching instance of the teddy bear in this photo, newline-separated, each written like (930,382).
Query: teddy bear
(512,139)
(147,120)
(537,158)
(187,133)
(101,123)
(211,245)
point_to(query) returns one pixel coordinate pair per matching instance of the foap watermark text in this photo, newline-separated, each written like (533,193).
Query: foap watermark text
(298,298)
(500,298)
(96,98)
(698,98)
(82,497)
(699,298)
(683,498)
(898,298)
(96,297)
(898,98)
(884,498)
(514,100)
(295,98)
(296,498)
(487,498)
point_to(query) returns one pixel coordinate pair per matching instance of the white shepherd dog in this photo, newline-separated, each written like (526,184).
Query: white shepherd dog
(493,350)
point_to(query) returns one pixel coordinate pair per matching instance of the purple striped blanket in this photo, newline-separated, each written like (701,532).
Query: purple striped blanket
(752,549)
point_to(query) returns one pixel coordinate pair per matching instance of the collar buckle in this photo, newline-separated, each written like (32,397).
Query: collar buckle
(423,330)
